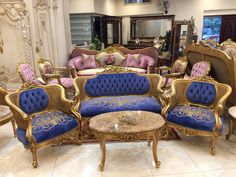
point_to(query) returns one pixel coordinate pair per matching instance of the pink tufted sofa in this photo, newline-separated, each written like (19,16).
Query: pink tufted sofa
(140,60)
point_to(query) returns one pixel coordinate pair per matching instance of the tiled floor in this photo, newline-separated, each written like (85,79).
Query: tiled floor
(188,157)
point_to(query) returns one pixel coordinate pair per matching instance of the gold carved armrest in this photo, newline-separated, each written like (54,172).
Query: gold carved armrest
(163,68)
(70,71)
(51,77)
(75,105)
(23,115)
(174,75)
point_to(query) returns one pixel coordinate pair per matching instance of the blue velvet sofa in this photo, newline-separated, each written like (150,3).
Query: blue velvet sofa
(196,107)
(109,92)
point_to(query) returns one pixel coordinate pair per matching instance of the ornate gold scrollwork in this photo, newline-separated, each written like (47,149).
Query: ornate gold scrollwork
(129,137)
(67,138)
(115,69)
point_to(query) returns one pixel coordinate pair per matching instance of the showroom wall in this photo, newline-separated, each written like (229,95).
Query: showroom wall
(182,9)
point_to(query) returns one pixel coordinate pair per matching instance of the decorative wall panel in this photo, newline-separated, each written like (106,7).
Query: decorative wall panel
(15,38)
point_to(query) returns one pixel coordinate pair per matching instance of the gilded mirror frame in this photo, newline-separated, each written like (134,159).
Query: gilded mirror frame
(177,36)
(133,22)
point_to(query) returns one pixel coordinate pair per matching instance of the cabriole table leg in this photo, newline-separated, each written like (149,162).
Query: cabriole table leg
(103,154)
(154,149)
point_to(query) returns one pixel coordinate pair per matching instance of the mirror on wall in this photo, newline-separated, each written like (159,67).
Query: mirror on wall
(150,27)
(109,33)
(183,36)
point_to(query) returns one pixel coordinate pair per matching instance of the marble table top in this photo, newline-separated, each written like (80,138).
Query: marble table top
(232,111)
(126,122)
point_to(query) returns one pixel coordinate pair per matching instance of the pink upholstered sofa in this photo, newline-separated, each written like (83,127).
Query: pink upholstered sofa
(90,62)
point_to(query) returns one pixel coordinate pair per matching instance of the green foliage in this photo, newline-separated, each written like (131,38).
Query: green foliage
(166,44)
(96,43)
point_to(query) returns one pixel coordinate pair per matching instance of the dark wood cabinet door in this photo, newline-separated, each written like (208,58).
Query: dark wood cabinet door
(228,28)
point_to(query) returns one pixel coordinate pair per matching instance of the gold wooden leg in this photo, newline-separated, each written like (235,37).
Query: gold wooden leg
(213,146)
(154,149)
(231,124)
(103,157)
(34,151)
(14,127)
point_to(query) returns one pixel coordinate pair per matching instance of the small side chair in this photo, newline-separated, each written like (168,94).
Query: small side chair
(52,75)
(27,74)
(196,107)
(177,70)
(43,116)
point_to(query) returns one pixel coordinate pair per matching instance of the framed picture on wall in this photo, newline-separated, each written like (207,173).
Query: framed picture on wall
(136,1)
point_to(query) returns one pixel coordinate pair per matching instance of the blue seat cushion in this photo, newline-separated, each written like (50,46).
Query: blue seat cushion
(94,106)
(48,125)
(192,117)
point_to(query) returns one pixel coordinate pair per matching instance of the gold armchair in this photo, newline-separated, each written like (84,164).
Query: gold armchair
(5,113)
(43,116)
(52,75)
(177,70)
(196,107)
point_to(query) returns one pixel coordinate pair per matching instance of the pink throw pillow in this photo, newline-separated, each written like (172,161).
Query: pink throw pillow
(89,62)
(79,63)
(146,61)
(110,59)
(71,63)
(132,61)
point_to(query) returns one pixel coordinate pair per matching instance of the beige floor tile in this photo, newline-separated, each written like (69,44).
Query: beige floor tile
(173,160)
(4,163)
(21,166)
(128,162)
(189,157)
(197,174)
(82,164)
(220,173)
(200,154)
(162,143)
(74,149)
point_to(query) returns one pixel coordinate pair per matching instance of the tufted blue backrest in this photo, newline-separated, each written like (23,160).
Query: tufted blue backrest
(33,100)
(201,93)
(117,84)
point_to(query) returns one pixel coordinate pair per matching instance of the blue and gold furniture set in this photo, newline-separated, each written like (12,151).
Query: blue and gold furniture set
(45,116)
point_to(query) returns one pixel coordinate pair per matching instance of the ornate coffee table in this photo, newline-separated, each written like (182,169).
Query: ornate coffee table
(127,126)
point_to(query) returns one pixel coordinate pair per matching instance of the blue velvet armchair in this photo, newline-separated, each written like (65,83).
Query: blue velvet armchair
(43,116)
(196,107)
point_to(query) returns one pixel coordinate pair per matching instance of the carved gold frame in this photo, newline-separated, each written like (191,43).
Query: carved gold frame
(61,101)
(150,135)
(217,107)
